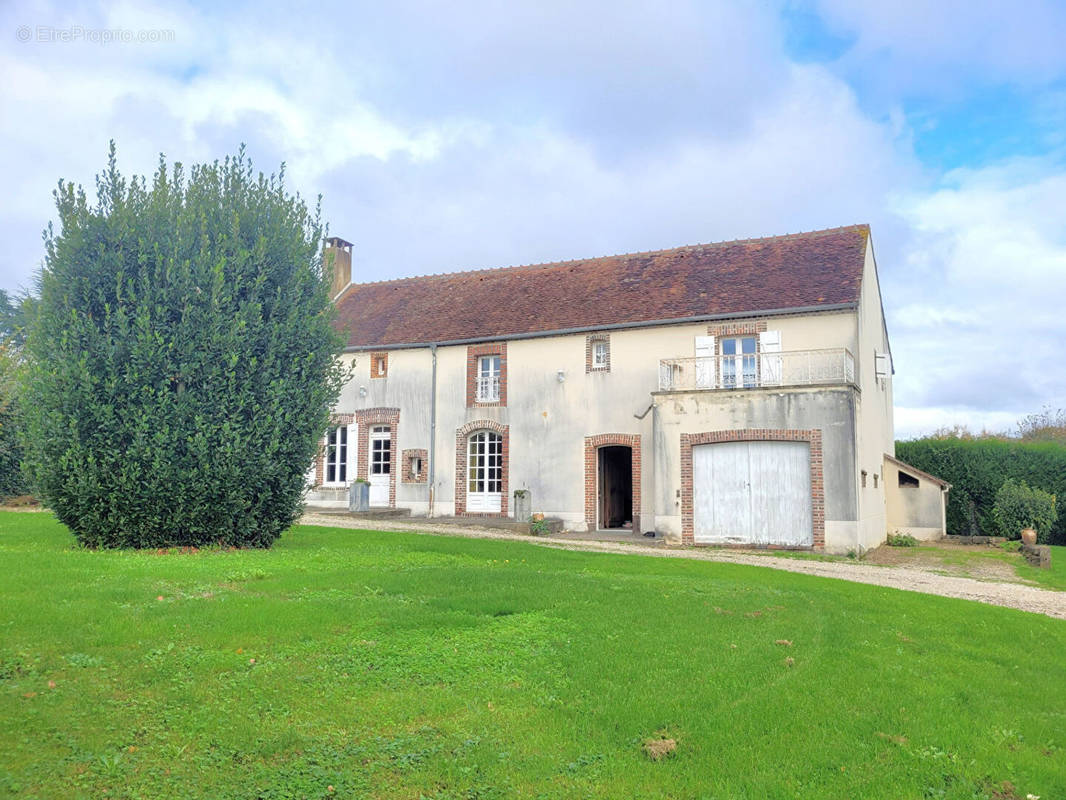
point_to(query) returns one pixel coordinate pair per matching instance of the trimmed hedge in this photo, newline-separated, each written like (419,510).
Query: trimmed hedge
(977,468)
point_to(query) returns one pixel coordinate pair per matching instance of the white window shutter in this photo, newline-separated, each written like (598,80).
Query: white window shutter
(705,356)
(770,363)
(353,445)
(882,365)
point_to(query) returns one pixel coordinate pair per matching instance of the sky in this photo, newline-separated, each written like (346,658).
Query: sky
(462,135)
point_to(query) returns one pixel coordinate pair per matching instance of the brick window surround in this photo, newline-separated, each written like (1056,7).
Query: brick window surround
(812,437)
(461,446)
(377,359)
(591,340)
(475,351)
(592,447)
(335,421)
(423,473)
(367,418)
(736,329)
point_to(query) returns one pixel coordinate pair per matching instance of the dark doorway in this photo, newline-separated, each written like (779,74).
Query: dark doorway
(616,487)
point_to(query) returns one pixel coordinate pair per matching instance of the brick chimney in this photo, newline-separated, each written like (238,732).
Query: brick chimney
(338,259)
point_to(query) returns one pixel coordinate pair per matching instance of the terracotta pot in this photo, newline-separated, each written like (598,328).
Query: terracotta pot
(1029,536)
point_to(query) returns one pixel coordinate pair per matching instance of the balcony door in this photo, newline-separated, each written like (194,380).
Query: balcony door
(738,363)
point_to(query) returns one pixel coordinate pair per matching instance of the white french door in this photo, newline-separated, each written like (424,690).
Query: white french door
(380,465)
(738,362)
(484,466)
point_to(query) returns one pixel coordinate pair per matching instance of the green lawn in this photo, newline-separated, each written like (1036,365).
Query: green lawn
(395,665)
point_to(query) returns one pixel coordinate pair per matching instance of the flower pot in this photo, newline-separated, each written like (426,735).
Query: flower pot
(1029,536)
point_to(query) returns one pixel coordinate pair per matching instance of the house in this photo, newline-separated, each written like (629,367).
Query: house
(731,393)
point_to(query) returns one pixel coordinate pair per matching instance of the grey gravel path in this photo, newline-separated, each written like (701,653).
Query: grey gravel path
(1011,595)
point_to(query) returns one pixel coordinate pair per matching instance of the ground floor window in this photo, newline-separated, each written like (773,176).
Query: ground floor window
(337,455)
(484,487)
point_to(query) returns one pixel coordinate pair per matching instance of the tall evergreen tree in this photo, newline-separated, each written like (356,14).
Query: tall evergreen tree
(181,361)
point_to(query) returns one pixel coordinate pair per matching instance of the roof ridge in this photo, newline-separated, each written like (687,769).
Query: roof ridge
(634,254)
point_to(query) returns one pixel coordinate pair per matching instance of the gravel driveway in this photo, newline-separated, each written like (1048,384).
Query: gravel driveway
(1011,595)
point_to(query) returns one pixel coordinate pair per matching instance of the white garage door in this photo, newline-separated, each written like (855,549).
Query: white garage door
(755,493)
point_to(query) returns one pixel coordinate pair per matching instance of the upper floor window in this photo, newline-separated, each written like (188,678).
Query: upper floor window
(738,362)
(379,365)
(598,353)
(488,379)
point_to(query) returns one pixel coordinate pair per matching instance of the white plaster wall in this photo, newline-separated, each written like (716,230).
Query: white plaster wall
(874,425)
(549,419)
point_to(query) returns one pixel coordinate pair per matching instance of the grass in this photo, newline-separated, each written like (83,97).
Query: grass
(396,665)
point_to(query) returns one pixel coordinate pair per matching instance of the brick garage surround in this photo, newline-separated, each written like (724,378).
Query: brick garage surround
(377,416)
(813,437)
(461,447)
(423,473)
(320,461)
(475,351)
(592,446)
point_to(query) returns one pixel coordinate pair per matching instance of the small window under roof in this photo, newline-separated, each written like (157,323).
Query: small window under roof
(907,481)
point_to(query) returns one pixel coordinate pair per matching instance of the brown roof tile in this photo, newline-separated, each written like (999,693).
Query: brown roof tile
(820,268)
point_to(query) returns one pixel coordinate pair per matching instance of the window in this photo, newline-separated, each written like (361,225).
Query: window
(864,479)
(488,379)
(485,463)
(414,468)
(380,451)
(597,353)
(379,365)
(875,480)
(738,362)
(337,455)
(908,481)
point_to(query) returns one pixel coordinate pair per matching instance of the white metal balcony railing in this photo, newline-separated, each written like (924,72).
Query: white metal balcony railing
(488,389)
(790,368)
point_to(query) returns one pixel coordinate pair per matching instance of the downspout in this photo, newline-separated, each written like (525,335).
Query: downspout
(432,430)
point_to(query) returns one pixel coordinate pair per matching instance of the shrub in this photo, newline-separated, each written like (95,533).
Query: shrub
(1019,506)
(539,527)
(977,468)
(182,363)
(901,540)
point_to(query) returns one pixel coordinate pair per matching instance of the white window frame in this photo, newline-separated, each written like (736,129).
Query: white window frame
(484,472)
(489,368)
(735,374)
(601,353)
(336,456)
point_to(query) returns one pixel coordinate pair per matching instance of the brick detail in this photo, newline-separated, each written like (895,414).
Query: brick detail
(590,340)
(592,446)
(335,420)
(377,416)
(812,437)
(423,473)
(379,365)
(473,352)
(461,446)
(736,328)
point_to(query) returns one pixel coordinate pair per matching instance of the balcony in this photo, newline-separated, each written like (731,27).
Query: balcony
(831,366)
(488,389)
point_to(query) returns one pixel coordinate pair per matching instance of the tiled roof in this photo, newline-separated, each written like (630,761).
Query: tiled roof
(803,270)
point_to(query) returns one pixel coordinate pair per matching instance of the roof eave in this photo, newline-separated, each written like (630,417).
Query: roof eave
(775,312)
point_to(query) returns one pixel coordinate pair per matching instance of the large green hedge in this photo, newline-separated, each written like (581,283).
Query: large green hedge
(181,361)
(977,468)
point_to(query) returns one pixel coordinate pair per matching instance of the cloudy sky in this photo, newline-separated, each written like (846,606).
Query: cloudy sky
(456,135)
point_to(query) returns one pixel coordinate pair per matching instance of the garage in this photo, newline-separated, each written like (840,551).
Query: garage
(752,492)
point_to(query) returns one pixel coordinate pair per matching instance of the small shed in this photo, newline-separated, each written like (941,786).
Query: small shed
(915,501)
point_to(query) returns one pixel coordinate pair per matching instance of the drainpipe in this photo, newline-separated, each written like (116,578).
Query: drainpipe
(432,431)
